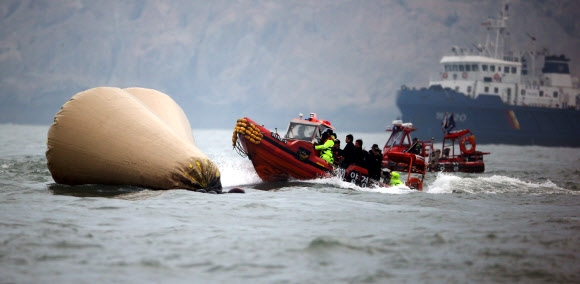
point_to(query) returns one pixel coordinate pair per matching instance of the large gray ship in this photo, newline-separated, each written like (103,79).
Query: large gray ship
(500,96)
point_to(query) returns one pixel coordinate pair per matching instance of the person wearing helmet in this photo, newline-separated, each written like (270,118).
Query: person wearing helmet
(326,144)
(395,179)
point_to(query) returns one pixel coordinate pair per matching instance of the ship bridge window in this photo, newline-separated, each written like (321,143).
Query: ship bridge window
(484,67)
(474,67)
(461,68)
(496,90)
(506,69)
(555,94)
(455,68)
(447,68)
(492,68)
(486,89)
(551,66)
(514,70)
(541,93)
(468,68)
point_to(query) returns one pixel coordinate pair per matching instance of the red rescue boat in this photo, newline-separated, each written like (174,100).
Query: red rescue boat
(396,158)
(278,157)
(463,158)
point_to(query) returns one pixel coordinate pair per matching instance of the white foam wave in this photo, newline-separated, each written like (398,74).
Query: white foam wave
(235,172)
(450,183)
(399,189)
(444,183)
(337,182)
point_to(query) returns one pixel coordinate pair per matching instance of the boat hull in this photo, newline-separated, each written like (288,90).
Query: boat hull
(492,120)
(457,166)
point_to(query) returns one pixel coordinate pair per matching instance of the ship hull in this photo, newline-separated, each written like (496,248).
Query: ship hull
(493,121)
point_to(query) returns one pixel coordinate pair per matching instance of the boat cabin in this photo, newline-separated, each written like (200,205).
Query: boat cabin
(400,139)
(309,129)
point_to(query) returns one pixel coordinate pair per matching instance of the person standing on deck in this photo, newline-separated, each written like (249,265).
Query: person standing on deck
(360,155)
(374,163)
(415,147)
(348,152)
(337,152)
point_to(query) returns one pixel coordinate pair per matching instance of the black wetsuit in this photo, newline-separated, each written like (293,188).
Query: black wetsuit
(348,154)
(374,164)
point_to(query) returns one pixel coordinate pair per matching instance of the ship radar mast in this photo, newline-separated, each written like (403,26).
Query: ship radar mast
(498,26)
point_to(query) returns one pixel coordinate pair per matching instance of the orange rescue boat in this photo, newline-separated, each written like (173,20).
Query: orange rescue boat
(278,157)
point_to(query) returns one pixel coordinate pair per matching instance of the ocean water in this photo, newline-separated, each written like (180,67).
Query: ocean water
(517,222)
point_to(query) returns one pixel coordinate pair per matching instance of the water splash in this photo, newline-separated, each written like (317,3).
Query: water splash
(451,183)
(337,182)
(444,183)
(235,172)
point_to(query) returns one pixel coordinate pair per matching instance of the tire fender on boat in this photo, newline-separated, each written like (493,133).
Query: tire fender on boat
(467,140)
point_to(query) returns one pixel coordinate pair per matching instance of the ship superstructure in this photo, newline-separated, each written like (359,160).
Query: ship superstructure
(500,94)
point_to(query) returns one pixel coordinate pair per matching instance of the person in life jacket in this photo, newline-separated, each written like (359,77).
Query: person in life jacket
(325,148)
(395,179)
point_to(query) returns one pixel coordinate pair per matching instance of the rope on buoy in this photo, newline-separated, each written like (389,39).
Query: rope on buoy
(250,131)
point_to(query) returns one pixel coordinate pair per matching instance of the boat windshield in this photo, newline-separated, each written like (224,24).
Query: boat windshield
(395,138)
(301,131)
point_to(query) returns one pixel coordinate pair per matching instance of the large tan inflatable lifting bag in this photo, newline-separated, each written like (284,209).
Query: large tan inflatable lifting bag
(131,136)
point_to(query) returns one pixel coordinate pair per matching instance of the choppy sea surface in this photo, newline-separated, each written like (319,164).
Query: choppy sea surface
(517,222)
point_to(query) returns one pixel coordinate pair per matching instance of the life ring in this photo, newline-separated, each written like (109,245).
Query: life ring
(496,77)
(463,147)
(464,75)
(444,75)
